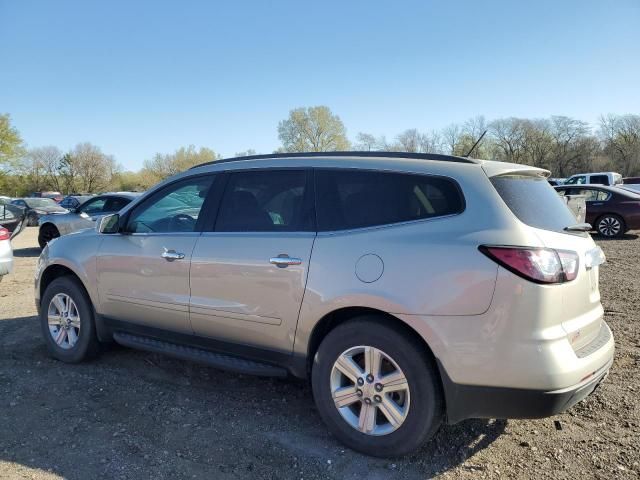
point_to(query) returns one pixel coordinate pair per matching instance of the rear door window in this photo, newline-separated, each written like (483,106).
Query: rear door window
(534,201)
(599,179)
(579,180)
(348,199)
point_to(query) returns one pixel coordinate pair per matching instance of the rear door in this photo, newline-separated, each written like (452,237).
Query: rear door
(248,273)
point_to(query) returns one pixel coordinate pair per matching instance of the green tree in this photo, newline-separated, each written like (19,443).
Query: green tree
(10,141)
(312,129)
(162,166)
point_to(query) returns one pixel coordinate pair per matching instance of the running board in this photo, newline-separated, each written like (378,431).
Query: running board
(212,359)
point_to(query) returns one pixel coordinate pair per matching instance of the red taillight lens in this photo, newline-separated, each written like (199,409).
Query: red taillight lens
(540,265)
(4,234)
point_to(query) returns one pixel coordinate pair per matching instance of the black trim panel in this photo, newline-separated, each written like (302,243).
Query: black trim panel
(475,401)
(296,365)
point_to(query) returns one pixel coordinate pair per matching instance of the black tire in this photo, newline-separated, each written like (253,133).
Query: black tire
(87,345)
(425,412)
(47,233)
(607,224)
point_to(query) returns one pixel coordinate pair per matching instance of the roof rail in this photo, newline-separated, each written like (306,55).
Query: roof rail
(411,155)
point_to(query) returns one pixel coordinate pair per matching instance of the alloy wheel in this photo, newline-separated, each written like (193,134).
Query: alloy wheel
(370,390)
(609,226)
(64,321)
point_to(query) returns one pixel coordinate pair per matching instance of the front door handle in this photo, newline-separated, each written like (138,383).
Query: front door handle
(283,261)
(171,255)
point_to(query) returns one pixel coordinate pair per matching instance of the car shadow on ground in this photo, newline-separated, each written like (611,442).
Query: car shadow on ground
(626,236)
(27,252)
(140,415)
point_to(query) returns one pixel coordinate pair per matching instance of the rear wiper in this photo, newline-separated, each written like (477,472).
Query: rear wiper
(579,227)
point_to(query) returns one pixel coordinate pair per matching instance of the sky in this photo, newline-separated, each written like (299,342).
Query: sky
(140,77)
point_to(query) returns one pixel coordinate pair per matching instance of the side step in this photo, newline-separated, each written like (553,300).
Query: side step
(212,359)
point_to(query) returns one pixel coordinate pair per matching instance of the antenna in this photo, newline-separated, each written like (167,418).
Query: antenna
(476,144)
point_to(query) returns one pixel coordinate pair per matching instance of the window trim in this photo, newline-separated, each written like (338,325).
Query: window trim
(124,220)
(308,201)
(387,225)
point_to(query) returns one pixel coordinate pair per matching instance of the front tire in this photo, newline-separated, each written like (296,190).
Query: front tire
(376,388)
(47,233)
(67,321)
(610,225)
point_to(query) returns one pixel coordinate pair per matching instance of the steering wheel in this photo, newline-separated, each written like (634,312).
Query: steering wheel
(182,223)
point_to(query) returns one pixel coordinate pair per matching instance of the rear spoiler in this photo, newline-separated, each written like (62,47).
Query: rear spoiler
(493,169)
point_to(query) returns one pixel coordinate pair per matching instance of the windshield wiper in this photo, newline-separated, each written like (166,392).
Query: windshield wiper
(579,227)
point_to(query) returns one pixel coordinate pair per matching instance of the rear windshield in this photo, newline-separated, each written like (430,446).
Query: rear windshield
(534,201)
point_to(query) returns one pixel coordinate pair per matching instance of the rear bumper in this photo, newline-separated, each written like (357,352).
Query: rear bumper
(473,401)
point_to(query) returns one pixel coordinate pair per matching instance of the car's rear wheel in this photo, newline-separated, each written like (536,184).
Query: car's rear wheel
(610,225)
(376,388)
(46,234)
(66,317)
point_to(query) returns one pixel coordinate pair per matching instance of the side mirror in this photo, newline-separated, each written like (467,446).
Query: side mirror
(109,224)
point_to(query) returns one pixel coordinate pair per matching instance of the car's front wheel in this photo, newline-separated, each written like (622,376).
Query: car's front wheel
(610,225)
(376,388)
(66,317)
(47,233)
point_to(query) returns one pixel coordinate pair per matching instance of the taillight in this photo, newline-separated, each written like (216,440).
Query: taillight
(540,265)
(4,234)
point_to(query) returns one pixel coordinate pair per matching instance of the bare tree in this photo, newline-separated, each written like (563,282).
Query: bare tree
(620,135)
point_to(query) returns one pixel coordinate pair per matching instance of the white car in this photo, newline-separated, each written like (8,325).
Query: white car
(600,178)
(6,253)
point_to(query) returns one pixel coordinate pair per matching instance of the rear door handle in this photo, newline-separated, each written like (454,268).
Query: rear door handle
(283,261)
(171,255)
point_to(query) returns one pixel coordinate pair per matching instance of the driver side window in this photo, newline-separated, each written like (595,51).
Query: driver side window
(175,208)
(93,206)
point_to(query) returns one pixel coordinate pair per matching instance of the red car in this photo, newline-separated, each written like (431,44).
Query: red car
(610,210)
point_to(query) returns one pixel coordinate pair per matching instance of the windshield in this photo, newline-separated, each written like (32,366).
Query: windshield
(40,202)
(534,201)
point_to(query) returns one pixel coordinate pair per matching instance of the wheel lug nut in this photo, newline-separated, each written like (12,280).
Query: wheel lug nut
(369,378)
(367,401)
(378,387)
(360,381)
(359,392)
(377,398)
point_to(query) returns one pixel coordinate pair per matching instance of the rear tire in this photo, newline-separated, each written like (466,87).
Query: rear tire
(420,405)
(75,329)
(610,225)
(46,234)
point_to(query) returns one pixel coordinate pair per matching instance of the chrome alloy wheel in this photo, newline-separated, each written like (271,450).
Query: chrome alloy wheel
(370,390)
(609,226)
(64,321)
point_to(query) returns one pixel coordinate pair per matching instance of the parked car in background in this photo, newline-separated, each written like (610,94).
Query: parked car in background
(36,207)
(71,202)
(601,178)
(12,217)
(556,181)
(411,289)
(610,210)
(5,200)
(84,216)
(55,196)
(6,253)
(631,180)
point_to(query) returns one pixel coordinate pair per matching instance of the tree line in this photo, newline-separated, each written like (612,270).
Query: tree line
(560,144)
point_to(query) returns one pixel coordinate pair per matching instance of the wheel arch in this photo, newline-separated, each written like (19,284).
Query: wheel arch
(337,317)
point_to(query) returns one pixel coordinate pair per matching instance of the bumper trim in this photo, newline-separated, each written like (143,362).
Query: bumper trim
(476,401)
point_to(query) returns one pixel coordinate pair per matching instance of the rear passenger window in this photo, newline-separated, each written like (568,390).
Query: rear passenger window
(599,179)
(348,199)
(266,201)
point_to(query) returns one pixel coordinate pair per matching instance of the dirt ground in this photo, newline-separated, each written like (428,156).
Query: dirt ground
(137,415)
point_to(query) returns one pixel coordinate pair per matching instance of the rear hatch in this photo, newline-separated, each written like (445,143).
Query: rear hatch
(537,205)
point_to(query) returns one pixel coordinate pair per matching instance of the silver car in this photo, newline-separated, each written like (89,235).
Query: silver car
(84,216)
(411,289)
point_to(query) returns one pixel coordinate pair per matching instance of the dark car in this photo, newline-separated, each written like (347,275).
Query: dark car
(56,196)
(71,202)
(610,210)
(36,207)
(12,218)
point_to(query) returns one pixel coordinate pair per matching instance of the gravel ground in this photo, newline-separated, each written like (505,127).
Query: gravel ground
(137,415)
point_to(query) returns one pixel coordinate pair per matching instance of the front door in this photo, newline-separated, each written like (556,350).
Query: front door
(143,272)
(248,274)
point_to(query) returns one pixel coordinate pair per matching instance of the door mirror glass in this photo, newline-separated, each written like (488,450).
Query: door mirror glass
(109,224)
